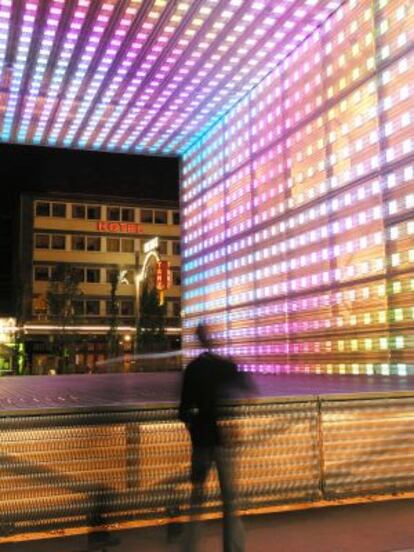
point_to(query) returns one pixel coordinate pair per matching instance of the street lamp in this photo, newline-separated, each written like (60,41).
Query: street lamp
(151,253)
(162,276)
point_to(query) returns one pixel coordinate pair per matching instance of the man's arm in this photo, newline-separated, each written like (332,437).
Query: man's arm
(184,413)
(238,380)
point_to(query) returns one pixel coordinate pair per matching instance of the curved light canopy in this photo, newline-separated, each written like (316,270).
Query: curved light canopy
(138,76)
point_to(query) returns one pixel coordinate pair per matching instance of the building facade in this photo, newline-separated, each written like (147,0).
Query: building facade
(95,236)
(298,207)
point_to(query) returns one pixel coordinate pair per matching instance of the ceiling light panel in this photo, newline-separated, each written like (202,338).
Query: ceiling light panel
(148,76)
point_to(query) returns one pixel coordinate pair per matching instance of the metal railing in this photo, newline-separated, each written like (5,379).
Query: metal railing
(69,468)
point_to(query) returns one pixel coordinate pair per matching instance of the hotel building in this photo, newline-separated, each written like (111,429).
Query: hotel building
(95,235)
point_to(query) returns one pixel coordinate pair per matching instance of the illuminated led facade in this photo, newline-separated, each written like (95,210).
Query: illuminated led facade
(294,121)
(298,205)
(137,75)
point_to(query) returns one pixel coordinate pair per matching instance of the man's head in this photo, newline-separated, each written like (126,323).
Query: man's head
(202,336)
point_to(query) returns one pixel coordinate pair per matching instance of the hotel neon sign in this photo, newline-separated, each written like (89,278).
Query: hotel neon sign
(120,227)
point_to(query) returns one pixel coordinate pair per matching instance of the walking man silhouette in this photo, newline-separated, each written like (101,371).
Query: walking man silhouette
(207,379)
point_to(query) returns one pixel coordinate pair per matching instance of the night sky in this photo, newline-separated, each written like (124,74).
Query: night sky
(40,169)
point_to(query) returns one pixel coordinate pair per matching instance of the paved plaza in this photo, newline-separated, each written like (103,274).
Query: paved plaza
(375,527)
(137,389)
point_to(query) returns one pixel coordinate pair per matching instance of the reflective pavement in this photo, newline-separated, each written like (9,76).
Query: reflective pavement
(374,527)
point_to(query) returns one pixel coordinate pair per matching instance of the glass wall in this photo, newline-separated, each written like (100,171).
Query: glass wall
(298,206)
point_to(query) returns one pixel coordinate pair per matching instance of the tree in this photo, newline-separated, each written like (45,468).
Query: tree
(63,291)
(18,353)
(23,311)
(113,314)
(151,330)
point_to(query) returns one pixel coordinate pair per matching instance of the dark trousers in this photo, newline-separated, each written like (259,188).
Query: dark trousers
(203,459)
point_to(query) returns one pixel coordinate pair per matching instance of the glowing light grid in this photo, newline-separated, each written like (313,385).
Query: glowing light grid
(140,75)
(298,206)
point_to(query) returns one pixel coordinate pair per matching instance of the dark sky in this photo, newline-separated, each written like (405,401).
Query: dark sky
(40,169)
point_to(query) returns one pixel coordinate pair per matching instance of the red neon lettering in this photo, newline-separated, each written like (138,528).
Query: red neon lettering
(129,228)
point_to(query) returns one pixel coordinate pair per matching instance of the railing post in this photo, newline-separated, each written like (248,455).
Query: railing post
(321,455)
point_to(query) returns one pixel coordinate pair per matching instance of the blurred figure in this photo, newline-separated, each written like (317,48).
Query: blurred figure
(207,379)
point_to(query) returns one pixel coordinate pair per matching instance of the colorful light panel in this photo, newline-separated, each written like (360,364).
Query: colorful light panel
(298,206)
(294,120)
(138,75)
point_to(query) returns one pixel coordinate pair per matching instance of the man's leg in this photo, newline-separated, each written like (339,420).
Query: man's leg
(233,532)
(201,461)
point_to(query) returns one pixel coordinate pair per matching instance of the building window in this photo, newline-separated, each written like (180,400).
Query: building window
(163,247)
(39,304)
(113,245)
(79,274)
(78,211)
(160,217)
(127,308)
(59,210)
(42,209)
(78,308)
(41,273)
(54,276)
(58,242)
(93,275)
(92,308)
(111,305)
(176,277)
(93,212)
(42,241)
(176,217)
(93,243)
(78,243)
(176,248)
(127,245)
(113,213)
(110,273)
(128,215)
(146,215)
